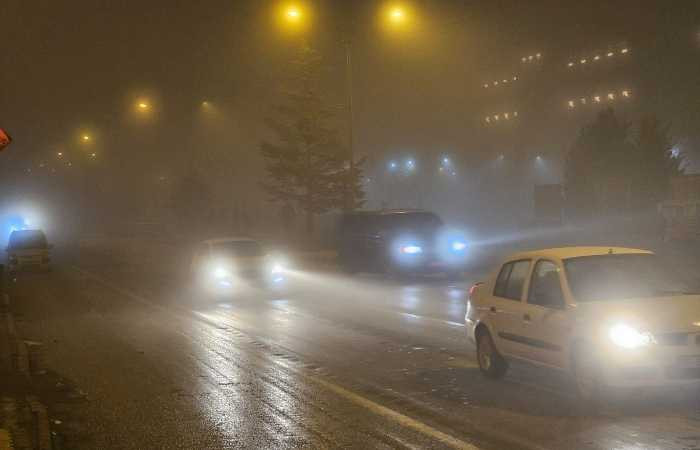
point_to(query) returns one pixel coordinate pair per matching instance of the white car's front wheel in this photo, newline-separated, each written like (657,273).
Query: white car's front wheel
(491,363)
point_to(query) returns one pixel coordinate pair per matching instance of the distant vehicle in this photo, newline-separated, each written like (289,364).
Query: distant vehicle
(399,241)
(28,249)
(220,266)
(610,317)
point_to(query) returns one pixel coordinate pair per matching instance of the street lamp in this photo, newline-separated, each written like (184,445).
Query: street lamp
(85,137)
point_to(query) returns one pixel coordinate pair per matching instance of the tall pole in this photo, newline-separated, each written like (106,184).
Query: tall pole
(350,194)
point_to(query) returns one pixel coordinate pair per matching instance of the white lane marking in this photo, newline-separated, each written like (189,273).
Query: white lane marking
(426,318)
(396,416)
(376,408)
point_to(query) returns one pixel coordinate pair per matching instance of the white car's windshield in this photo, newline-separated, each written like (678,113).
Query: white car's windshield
(620,277)
(240,249)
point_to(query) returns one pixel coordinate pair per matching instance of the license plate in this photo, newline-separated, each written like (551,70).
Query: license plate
(689,361)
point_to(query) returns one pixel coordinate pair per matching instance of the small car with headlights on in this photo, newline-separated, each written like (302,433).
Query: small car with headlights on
(399,241)
(28,250)
(224,266)
(609,317)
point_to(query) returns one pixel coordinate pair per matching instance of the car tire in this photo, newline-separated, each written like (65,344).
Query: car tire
(587,378)
(491,363)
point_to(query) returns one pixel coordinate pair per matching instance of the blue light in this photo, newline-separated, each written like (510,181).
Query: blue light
(458,246)
(411,249)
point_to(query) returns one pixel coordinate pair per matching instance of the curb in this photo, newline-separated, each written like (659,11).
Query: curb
(26,358)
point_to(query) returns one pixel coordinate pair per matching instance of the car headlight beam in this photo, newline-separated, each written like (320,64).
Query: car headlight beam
(628,337)
(412,249)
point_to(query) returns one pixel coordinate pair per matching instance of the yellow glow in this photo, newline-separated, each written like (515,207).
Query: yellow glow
(496,117)
(506,116)
(92,155)
(85,137)
(625,93)
(143,105)
(611,96)
(583,61)
(597,98)
(624,50)
(397,14)
(293,13)
(60,154)
(571,104)
(610,54)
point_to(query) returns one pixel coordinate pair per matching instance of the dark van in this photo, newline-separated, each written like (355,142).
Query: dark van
(395,241)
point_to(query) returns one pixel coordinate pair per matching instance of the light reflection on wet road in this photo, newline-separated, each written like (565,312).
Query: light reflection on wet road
(335,361)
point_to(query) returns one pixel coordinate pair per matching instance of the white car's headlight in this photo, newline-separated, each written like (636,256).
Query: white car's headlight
(277,267)
(627,337)
(221,272)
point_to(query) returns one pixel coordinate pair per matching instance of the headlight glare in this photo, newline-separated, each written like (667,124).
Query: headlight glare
(458,246)
(411,249)
(627,337)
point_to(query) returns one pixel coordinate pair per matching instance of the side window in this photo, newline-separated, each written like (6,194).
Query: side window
(511,280)
(545,288)
(500,289)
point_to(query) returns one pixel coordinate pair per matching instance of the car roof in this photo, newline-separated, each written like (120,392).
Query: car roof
(387,212)
(20,232)
(222,240)
(574,252)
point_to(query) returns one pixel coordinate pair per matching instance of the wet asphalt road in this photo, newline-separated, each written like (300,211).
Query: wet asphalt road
(334,361)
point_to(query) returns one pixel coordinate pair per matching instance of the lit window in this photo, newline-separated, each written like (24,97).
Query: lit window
(625,93)
(515,78)
(505,81)
(624,50)
(583,101)
(571,104)
(610,54)
(596,99)
(515,113)
(486,85)
(524,59)
(583,61)
(496,117)
(495,83)
(530,58)
(488,119)
(571,64)
(538,56)
(611,96)
(505,116)
(596,57)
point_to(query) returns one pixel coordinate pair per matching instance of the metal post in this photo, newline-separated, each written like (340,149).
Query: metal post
(350,194)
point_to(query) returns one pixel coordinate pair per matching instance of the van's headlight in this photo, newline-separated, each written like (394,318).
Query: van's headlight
(411,249)
(627,337)
(458,246)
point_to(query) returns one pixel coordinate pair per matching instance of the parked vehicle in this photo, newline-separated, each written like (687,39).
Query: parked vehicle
(28,249)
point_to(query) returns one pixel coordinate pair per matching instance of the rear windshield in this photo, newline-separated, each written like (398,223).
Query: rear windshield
(621,277)
(26,239)
(237,249)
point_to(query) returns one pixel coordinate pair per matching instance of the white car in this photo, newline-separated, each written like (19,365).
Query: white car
(609,317)
(223,265)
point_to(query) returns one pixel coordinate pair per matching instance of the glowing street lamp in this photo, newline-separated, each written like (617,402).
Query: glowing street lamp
(397,14)
(293,14)
(143,105)
(85,138)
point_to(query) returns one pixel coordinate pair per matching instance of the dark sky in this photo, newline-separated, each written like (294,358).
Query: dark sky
(79,64)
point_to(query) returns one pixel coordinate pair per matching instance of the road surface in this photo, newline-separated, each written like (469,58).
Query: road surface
(335,361)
